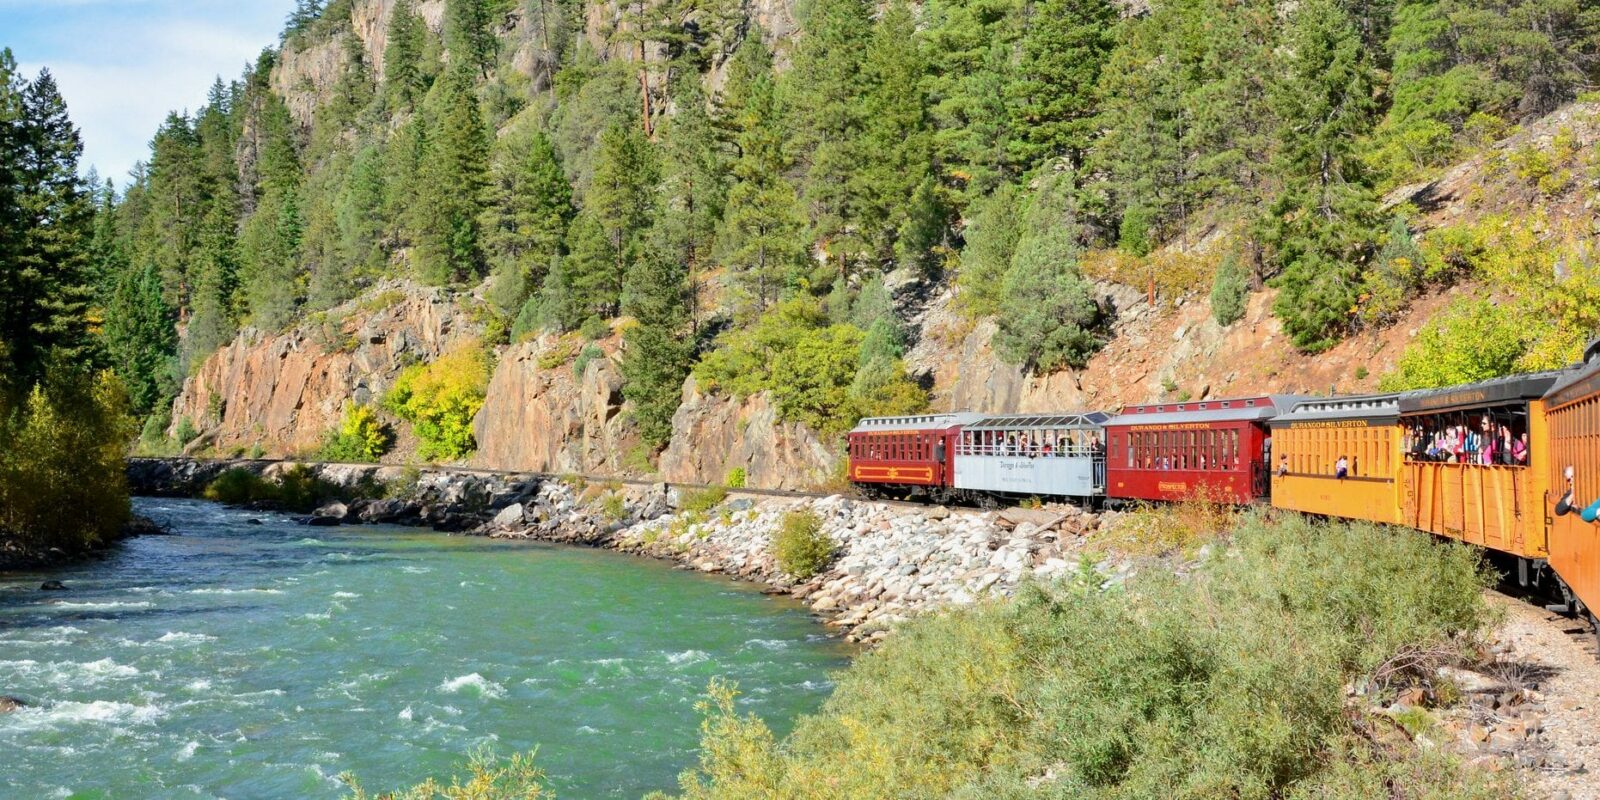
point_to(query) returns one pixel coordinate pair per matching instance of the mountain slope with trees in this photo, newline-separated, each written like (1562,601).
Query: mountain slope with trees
(738,199)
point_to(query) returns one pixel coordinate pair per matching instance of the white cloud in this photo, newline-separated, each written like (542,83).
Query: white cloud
(127,69)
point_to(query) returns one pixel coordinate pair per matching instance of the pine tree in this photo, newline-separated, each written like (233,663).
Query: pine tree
(695,180)
(1230,288)
(1048,317)
(656,353)
(761,241)
(359,212)
(142,337)
(527,216)
(270,260)
(452,185)
(1051,95)
(991,240)
(215,284)
(469,34)
(823,92)
(279,166)
(405,76)
(968,45)
(46,287)
(177,187)
(300,20)
(1322,224)
(896,146)
(618,210)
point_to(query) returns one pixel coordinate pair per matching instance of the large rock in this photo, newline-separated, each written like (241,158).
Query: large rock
(546,419)
(9,704)
(712,435)
(510,517)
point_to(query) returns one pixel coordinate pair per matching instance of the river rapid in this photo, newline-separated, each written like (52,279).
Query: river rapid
(241,660)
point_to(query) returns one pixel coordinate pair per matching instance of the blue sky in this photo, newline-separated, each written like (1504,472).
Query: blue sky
(123,64)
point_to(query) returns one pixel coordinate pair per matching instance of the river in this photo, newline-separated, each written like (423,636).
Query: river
(242,660)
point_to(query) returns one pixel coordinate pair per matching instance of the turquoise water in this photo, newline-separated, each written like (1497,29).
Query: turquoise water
(262,661)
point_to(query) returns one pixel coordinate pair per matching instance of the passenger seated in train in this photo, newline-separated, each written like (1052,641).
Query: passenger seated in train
(1496,437)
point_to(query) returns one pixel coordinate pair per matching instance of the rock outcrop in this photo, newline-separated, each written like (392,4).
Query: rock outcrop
(712,435)
(1170,350)
(541,417)
(283,392)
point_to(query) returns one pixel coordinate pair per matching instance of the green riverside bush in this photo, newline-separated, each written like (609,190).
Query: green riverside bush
(63,481)
(801,548)
(297,488)
(1227,683)
(703,500)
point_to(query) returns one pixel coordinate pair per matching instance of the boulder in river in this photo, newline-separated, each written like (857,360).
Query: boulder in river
(52,586)
(322,522)
(510,517)
(9,704)
(337,511)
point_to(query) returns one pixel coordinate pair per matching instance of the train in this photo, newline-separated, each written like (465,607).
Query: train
(1511,465)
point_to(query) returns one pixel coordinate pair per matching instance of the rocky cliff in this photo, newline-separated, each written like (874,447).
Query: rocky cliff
(281,393)
(542,416)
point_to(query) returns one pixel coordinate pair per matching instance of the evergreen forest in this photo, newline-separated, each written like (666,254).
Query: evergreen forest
(742,204)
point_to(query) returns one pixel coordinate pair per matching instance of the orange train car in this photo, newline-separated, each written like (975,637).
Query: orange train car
(1309,442)
(1573,470)
(1475,463)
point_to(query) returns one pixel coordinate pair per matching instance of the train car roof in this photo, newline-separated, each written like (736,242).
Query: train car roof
(916,422)
(1369,407)
(1017,422)
(1580,381)
(1225,410)
(1497,392)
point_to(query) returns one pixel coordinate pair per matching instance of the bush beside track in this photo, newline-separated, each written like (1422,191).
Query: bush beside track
(1233,682)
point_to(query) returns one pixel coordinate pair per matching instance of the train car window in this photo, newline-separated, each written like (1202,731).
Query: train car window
(1491,437)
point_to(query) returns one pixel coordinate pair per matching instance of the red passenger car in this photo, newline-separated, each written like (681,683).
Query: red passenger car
(906,456)
(1169,451)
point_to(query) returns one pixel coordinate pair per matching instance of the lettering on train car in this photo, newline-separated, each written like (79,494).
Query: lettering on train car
(1338,423)
(1172,487)
(1176,426)
(1461,398)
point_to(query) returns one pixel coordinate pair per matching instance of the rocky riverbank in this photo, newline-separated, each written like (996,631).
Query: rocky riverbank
(893,561)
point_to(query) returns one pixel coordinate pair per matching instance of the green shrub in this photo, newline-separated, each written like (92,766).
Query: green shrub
(297,488)
(238,486)
(486,778)
(801,548)
(62,476)
(703,500)
(736,478)
(614,507)
(637,459)
(185,432)
(360,438)
(441,399)
(590,352)
(594,329)
(808,364)
(1229,290)
(1227,683)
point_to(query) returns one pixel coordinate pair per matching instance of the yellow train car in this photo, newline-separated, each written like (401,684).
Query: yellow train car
(1573,471)
(1339,456)
(1475,464)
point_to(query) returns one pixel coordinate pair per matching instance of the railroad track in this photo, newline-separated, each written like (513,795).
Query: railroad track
(531,474)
